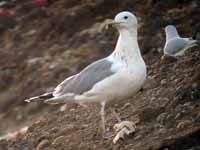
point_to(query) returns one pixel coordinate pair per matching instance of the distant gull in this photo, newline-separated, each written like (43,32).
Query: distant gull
(116,77)
(176,45)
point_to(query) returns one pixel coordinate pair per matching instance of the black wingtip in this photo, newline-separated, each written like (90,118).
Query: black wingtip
(46,96)
(40,97)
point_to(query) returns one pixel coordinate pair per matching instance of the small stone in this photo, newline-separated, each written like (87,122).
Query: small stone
(126,105)
(162,118)
(33,61)
(30,33)
(71,110)
(177,115)
(183,124)
(172,78)
(44,143)
(68,129)
(163,82)
(63,107)
(59,140)
(138,137)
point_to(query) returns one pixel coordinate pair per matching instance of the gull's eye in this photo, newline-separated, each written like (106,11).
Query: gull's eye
(125,17)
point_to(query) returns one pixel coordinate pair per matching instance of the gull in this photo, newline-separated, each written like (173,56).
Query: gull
(113,78)
(176,45)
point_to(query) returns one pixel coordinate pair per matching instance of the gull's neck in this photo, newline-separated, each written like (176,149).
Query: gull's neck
(170,34)
(127,49)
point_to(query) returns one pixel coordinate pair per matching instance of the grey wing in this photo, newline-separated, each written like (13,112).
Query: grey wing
(86,79)
(174,46)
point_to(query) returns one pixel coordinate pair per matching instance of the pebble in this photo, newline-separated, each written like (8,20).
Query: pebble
(33,61)
(163,82)
(183,124)
(44,143)
(161,118)
(59,140)
(63,107)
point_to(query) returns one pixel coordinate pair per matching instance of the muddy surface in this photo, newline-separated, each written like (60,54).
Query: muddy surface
(39,47)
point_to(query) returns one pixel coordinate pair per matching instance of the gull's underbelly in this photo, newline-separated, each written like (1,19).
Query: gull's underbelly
(120,86)
(126,87)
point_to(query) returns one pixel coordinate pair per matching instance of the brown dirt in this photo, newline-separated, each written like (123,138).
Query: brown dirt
(45,46)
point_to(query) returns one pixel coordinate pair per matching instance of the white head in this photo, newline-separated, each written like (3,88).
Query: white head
(125,20)
(171,31)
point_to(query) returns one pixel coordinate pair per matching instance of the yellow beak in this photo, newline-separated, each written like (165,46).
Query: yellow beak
(108,23)
(112,23)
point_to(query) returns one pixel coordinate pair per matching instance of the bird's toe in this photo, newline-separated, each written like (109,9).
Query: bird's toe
(123,128)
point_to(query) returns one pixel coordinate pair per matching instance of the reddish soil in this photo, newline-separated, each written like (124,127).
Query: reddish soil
(39,47)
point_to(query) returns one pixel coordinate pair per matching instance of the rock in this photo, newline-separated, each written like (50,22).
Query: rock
(59,140)
(183,124)
(44,143)
(162,118)
(34,61)
(163,82)
(63,107)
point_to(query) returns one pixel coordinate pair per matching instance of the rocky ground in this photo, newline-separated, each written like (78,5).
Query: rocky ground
(39,47)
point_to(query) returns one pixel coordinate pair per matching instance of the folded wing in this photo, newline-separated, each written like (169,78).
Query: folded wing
(86,79)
